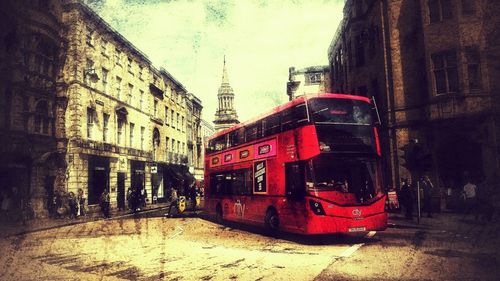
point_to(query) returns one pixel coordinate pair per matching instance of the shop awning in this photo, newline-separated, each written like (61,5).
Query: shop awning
(180,173)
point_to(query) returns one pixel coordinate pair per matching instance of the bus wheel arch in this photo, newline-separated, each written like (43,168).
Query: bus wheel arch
(271,220)
(219,215)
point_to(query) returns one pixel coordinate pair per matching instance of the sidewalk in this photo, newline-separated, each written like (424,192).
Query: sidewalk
(445,220)
(39,224)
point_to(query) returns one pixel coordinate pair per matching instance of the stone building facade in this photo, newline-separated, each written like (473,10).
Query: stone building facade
(194,140)
(431,66)
(309,80)
(31,158)
(83,108)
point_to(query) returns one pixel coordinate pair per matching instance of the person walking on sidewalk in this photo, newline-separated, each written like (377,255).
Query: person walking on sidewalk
(104,203)
(407,198)
(427,187)
(470,191)
(73,205)
(174,201)
(80,199)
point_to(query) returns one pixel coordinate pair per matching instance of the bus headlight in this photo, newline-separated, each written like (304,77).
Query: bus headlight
(317,208)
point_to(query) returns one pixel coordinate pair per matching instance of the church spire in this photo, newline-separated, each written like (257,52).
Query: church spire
(225,116)
(225,79)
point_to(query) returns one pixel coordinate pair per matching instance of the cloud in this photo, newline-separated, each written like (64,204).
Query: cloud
(261,40)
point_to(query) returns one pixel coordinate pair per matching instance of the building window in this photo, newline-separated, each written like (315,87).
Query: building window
(140,72)
(166,115)
(88,67)
(104,47)
(177,122)
(26,110)
(118,87)
(141,96)
(178,146)
(473,67)
(183,151)
(89,37)
(142,137)
(90,122)
(172,118)
(360,51)
(118,56)
(105,80)
(105,124)
(359,8)
(182,124)
(314,78)
(129,65)
(468,7)
(120,131)
(131,135)
(445,72)
(130,90)
(42,118)
(440,10)
(155,108)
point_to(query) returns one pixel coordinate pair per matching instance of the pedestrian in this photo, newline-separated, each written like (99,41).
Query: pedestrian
(73,205)
(193,193)
(470,192)
(80,198)
(144,196)
(129,198)
(174,201)
(59,204)
(427,187)
(407,198)
(104,203)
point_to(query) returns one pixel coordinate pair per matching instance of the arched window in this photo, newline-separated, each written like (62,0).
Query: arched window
(42,118)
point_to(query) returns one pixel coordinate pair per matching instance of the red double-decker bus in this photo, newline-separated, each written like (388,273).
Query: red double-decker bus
(310,166)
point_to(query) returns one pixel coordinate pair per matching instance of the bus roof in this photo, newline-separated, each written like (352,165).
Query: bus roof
(288,105)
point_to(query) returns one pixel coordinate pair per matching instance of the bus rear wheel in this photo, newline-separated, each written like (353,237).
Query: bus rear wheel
(272,221)
(218,214)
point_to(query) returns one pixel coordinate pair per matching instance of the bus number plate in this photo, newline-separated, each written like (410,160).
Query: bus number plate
(357,229)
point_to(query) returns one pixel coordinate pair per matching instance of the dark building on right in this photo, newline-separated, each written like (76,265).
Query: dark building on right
(433,66)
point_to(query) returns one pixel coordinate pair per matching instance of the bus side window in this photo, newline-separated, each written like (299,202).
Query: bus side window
(286,120)
(233,138)
(300,114)
(253,131)
(272,125)
(219,143)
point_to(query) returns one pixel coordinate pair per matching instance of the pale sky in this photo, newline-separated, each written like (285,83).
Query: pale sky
(261,40)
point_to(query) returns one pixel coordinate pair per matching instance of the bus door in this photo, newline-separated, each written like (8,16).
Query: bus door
(295,191)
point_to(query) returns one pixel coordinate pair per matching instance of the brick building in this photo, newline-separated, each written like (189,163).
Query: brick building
(432,67)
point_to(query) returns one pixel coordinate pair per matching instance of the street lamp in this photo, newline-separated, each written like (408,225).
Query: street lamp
(90,74)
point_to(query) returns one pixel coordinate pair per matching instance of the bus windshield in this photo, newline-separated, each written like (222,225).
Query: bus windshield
(355,175)
(340,111)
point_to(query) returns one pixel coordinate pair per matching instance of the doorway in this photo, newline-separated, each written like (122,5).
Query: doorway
(120,194)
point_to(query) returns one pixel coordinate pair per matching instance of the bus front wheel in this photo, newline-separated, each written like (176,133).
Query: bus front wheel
(218,214)
(272,221)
